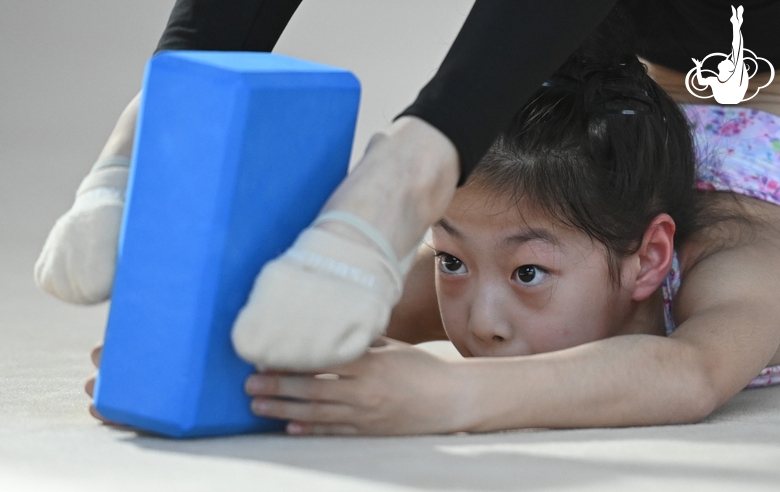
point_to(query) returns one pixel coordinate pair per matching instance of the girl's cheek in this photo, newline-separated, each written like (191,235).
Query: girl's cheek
(450,285)
(453,305)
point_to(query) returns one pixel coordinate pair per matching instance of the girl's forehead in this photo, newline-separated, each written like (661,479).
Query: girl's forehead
(477,215)
(477,206)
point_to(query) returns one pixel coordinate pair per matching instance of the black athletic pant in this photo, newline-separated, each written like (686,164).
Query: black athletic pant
(501,56)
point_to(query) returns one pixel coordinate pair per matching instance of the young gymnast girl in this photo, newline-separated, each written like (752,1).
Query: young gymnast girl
(593,271)
(590,271)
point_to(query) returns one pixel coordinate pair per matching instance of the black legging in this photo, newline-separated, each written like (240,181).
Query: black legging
(504,51)
(483,81)
(227,25)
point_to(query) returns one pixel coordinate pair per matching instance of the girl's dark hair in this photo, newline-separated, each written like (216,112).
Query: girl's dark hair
(600,147)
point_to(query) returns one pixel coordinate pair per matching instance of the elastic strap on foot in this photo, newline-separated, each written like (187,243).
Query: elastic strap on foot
(372,233)
(114,160)
(364,227)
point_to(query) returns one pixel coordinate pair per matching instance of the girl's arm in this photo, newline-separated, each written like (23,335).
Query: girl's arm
(729,330)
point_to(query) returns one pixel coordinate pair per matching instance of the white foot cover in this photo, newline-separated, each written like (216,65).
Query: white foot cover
(323,302)
(78,260)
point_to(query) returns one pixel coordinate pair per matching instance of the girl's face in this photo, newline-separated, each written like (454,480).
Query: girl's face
(512,282)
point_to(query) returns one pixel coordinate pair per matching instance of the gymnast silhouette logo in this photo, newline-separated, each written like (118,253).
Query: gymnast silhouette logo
(730,84)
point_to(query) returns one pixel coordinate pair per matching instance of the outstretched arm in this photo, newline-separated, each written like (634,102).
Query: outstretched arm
(728,333)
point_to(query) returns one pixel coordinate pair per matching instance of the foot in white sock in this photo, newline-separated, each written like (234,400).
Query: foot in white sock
(78,260)
(323,302)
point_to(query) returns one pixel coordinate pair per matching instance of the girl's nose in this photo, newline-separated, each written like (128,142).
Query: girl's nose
(489,321)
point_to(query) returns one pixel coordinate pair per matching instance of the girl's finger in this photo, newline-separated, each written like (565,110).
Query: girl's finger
(303,428)
(315,411)
(95,355)
(302,387)
(284,372)
(93,411)
(89,386)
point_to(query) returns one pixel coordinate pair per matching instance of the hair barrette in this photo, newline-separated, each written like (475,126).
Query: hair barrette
(603,99)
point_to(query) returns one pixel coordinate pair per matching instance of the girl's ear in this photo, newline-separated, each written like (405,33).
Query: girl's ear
(655,257)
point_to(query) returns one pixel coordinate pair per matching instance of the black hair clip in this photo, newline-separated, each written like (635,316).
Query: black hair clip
(605,96)
(618,102)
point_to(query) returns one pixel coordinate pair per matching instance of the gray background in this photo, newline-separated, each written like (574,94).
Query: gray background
(67,68)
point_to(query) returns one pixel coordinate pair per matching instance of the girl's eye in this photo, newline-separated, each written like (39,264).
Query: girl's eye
(530,275)
(451,265)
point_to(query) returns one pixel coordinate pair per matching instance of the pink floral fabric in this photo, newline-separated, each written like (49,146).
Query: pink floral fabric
(737,150)
(669,289)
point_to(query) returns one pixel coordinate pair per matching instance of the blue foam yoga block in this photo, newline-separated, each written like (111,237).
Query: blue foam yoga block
(235,154)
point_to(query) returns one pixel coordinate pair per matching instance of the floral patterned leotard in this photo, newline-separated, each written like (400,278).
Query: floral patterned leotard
(737,150)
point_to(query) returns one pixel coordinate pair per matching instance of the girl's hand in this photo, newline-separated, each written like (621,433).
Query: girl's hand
(393,389)
(89,386)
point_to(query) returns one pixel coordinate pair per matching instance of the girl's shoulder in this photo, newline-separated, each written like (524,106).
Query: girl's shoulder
(733,261)
(731,224)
